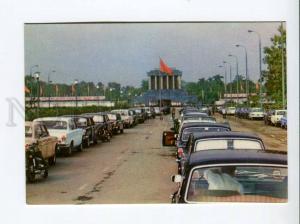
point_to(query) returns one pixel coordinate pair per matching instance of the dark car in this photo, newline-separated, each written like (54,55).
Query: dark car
(139,115)
(203,141)
(233,176)
(169,137)
(267,117)
(103,132)
(88,125)
(118,124)
(102,118)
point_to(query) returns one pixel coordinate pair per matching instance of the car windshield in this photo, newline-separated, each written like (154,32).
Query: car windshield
(112,116)
(138,111)
(256,110)
(55,124)
(208,144)
(281,112)
(187,131)
(238,183)
(28,131)
(98,118)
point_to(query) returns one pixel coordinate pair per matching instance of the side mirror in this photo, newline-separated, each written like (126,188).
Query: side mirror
(176,178)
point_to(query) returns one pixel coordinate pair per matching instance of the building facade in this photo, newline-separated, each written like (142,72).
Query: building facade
(159,81)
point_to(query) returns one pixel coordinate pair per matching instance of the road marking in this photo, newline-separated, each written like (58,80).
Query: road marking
(82,187)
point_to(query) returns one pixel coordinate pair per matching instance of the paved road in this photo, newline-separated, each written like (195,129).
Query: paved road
(132,168)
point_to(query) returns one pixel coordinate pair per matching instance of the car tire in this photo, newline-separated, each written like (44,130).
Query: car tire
(80,147)
(52,160)
(45,175)
(69,150)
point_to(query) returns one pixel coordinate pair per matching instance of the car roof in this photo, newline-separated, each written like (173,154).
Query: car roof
(82,115)
(205,124)
(236,156)
(62,118)
(225,134)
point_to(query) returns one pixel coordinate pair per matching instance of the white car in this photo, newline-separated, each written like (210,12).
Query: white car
(64,128)
(126,117)
(276,116)
(230,111)
(256,113)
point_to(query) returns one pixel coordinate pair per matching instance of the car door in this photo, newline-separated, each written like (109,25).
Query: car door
(49,142)
(75,134)
(41,140)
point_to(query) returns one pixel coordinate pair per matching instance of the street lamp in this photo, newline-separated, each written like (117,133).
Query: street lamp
(225,79)
(49,89)
(260,75)
(98,87)
(31,80)
(75,85)
(237,74)
(247,78)
(37,77)
(230,79)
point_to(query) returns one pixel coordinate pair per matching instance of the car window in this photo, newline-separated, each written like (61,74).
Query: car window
(81,122)
(72,125)
(209,144)
(98,118)
(112,117)
(44,131)
(281,112)
(55,124)
(238,183)
(187,131)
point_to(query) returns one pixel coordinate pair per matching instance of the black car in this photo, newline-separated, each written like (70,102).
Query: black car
(88,125)
(118,124)
(233,176)
(203,141)
(169,137)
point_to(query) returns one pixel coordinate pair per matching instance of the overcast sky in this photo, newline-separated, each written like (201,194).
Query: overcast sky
(126,52)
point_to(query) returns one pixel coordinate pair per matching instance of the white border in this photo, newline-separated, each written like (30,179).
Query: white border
(13,15)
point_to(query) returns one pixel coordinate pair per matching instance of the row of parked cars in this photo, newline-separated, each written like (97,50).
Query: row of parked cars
(271,117)
(47,137)
(216,164)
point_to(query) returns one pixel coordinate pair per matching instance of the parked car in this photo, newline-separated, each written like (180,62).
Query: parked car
(209,140)
(233,176)
(157,111)
(140,117)
(69,136)
(118,125)
(283,122)
(230,110)
(150,112)
(126,116)
(36,133)
(102,131)
(276,116)
(267,117)
(256,113)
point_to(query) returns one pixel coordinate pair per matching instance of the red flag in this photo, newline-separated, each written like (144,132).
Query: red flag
(165,68)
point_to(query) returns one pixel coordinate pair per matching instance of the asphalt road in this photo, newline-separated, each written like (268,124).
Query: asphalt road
(132,168)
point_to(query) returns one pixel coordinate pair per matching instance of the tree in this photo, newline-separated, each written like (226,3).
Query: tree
(273,58)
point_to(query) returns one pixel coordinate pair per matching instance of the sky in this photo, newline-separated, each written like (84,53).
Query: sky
(125,52)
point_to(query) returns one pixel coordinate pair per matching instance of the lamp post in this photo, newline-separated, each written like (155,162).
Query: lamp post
(230,79)
(260,75)
(37,77)
(225,79)
(75,85)
(247,78)
(98,87)
(31,80)
(236,74)
(49,89)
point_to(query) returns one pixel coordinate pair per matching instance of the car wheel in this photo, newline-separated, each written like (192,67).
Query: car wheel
(52,160)
(69,150)
(80,147)
(30,175)
(45,173)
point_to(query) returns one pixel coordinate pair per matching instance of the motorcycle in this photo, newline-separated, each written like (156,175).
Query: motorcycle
(36,165)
